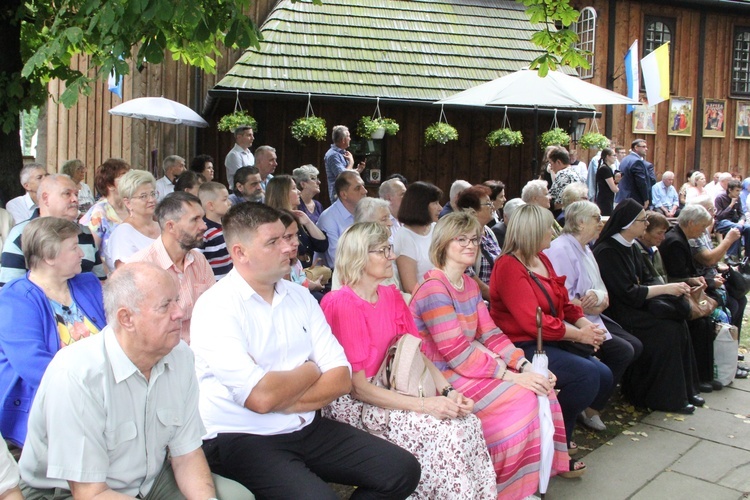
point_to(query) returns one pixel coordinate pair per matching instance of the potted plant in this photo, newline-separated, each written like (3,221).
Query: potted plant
(440,132)
(504,137)
(309,126)
(594,140)
(556,137)
(237,119)
(377,127)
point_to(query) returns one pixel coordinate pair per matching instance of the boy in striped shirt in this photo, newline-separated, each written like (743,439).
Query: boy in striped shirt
(215,200)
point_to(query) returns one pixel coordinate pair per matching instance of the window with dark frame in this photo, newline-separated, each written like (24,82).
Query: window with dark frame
(741,61)
(656,32)
(586,30)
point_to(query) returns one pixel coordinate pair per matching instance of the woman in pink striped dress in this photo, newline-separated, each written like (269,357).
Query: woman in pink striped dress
(453,321)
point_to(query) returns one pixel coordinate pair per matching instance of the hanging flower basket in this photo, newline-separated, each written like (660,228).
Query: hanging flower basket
(313,127)
(376,127)
(440,132)
(554,137)
(594,140)
(504,137)
(230,122)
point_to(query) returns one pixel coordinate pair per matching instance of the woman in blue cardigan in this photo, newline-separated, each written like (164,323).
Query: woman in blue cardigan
(49,308)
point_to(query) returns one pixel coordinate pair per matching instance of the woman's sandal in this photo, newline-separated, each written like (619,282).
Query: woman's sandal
(572,448)
(576,469)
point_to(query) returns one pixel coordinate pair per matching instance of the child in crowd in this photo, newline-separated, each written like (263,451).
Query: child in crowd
(215,200)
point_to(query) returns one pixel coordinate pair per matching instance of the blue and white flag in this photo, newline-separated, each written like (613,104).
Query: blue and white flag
(631,73)
(114,84)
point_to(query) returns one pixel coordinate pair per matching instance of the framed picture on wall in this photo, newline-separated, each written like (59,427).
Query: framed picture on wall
(644,119)
(714,115)
(680,116)
(742,128)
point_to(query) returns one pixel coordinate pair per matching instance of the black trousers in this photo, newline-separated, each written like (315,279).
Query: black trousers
(619,351)
(300,464)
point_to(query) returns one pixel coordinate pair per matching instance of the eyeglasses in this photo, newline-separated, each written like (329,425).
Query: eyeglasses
(644,220)
(464,241)
(488,204)
(146,196)
(386,251)
(597,217)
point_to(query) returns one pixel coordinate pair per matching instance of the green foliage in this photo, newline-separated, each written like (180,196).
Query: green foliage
(29,126)
(504,137)
(237,119)
(111,33)
(367,126)
(554,137)
(559,45)
(311,126)
(440,132)
(594,140)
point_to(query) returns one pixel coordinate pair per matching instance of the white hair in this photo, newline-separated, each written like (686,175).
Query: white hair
(532,189)
(457,187)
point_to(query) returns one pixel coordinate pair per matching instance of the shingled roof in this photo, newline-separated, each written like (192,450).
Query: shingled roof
(411,50)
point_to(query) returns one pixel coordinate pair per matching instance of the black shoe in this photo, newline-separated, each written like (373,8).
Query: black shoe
(686,410)
(696,400)
(740,357)
(716,385)
(705,387)
(740,373)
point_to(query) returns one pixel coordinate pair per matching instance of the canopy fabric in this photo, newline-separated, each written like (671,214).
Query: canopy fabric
(159,109)
(526,88)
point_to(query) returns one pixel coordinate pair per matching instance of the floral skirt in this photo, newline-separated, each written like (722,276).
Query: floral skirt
(453,454)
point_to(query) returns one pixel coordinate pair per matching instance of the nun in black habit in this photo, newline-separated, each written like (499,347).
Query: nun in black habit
(664,376)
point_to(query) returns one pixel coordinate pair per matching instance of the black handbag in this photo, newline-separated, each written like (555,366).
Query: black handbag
(674,307)
(577,348)
(737,283)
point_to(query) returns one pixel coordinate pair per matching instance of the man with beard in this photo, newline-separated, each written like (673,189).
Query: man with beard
(180,217)
(247,186)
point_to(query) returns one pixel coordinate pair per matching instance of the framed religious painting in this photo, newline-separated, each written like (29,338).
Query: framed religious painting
(742,128)
(680,116)
(714,114)
(644,119)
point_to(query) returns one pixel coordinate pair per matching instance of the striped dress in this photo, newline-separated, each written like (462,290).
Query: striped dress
(448,321)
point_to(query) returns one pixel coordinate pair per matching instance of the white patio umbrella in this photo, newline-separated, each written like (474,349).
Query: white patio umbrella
(526,88)
(546,427)
(159,109)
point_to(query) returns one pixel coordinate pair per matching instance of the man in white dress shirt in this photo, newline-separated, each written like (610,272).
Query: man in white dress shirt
(240,155)
(22,207)
(393,191)
(173,166)
(267,362)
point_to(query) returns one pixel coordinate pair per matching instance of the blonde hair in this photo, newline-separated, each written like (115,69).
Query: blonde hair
(132,180)
(352,252)
(448,228)
(526,231)
(210,191)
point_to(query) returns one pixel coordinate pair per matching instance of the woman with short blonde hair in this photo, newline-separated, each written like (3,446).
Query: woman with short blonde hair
(438,429)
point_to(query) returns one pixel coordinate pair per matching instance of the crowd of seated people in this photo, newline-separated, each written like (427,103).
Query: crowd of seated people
(266,315)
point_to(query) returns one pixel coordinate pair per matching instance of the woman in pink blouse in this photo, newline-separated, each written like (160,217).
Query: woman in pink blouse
(366,318)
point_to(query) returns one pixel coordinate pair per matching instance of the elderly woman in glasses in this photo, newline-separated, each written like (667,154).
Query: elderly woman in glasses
(572,258)
(480,361)
(366,317)
(664,376)
(138,191)
(524,280)
(308,184)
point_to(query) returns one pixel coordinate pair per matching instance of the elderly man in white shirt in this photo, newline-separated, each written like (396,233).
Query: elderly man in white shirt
(109,408)
(22,207)
(393,191)
(267,362)
(173,166)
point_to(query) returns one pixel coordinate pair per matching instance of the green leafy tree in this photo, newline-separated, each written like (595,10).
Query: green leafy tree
(558,44)
(40,37)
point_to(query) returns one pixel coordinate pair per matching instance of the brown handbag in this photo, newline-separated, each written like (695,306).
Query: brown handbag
(701,305)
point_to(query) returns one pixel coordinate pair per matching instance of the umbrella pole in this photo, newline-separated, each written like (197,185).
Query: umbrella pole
(539,346)
(534,162)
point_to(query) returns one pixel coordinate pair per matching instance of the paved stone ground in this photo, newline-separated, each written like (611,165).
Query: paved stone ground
(669,456)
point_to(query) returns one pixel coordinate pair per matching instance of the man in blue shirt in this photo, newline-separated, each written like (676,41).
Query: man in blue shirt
(664,195)
(338,159)
(335,219)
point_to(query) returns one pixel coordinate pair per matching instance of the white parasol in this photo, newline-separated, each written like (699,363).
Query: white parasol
(546,427)
(159,109)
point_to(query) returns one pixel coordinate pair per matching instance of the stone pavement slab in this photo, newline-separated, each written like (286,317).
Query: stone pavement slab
(714,462)
(674,486)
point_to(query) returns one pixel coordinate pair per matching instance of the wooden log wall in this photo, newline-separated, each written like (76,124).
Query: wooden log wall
(88,132)
(679,154)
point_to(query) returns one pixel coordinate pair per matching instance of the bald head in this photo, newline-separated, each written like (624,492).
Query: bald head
(58,197)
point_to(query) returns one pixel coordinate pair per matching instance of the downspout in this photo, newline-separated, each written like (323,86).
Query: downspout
(612,21)
(698,116)
(198,84)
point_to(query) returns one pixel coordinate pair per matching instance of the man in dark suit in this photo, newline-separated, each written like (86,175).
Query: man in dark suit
(636,179)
